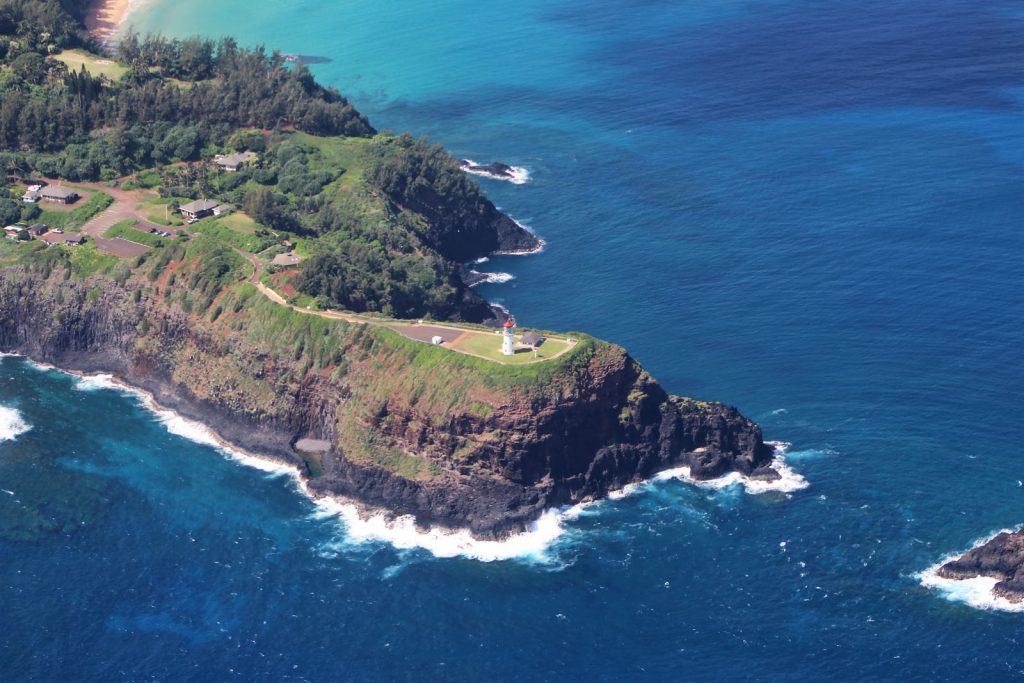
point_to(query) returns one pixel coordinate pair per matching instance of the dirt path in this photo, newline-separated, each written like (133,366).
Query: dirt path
(421,332)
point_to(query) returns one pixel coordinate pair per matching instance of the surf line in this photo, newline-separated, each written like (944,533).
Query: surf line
(365,524)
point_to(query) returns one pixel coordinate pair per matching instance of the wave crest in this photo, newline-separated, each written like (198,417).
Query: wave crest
(516,174)
(11,424)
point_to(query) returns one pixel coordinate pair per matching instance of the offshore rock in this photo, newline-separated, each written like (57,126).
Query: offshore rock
(1001,558)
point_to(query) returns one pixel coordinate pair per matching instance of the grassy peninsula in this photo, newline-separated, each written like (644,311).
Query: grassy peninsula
(209,223)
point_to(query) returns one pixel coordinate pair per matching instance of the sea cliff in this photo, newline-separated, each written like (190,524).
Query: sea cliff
(453,440)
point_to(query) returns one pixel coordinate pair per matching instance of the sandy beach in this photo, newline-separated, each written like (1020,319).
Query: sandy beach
(104,17)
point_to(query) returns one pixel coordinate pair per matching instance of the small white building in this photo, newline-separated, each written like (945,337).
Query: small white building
(437,340)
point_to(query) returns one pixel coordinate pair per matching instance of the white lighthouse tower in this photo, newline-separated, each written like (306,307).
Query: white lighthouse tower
(508,341)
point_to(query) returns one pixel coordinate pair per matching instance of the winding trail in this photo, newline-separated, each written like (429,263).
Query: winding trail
(416,331)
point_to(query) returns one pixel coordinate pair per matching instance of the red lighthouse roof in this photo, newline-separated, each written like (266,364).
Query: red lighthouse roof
(509,323)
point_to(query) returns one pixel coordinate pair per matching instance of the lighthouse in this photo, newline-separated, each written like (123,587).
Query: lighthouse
(508,342)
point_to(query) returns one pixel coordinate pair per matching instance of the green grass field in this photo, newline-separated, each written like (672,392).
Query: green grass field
(236,229)
(95,65)
(240,222)
(489,346)
(76,217)
(126,230)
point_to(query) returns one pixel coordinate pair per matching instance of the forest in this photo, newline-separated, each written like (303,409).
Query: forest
(386,219)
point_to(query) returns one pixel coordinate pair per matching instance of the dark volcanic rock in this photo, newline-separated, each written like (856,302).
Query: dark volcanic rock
(496,169)
(491,463)
(1001,558)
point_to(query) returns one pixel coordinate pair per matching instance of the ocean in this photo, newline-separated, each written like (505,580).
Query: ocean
(811,210)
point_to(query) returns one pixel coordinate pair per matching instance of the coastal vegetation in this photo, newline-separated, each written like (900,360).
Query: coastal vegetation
(244,158)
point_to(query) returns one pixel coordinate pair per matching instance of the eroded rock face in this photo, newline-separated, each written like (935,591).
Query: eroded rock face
(1001,558)
(443,443)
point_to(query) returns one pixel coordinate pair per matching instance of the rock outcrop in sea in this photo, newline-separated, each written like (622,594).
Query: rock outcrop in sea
(1000,558)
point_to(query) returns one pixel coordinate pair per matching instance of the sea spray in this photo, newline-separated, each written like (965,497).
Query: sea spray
(11,424)
(364,524)
(976,592)
(515,174)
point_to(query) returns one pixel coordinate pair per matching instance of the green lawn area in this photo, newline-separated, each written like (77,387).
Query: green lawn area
(87,259)
(236,229)
(126,230)
(489,345)
(239,221)
(156,211)
(347,153)
(95,65)
(74,218)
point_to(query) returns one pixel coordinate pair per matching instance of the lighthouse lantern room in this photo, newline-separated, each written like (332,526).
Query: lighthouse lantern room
(508,341)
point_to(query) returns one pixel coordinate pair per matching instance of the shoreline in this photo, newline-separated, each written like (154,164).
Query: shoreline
(365,523)
(976,592)
(103,18)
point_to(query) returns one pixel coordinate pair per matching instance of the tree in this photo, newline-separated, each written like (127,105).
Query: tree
(30,67)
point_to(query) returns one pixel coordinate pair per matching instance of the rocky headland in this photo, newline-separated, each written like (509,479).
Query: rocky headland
(452,440)
(1000,558)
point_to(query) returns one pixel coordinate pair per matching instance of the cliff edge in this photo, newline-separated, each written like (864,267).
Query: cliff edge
(452,439)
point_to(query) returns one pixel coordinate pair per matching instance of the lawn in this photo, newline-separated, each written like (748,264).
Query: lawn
(95,65)
(347,153)
(239,221)
(126,230)
(236,229)
(489,346)
(73,218)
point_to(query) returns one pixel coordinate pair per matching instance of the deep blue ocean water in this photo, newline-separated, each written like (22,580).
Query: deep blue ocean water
(812,210)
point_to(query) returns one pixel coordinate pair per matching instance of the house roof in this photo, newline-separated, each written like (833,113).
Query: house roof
(57,191)
(233,159)
(289,259)
(199,205)
(532,339)
(65,238)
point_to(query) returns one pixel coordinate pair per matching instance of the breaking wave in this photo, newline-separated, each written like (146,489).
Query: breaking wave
(976,592)
(516,174)
(11,424)
(363,524)
(492,278)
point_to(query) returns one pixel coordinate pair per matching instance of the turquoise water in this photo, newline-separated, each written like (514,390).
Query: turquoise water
(812,210)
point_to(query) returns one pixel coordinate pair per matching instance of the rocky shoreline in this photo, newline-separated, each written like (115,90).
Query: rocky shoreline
(451,444)
(1001,558)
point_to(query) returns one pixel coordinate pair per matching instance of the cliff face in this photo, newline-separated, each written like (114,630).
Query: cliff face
(1001,558)
(448,438)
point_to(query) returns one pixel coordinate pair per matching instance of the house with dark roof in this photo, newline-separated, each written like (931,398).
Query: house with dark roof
(200,208)
(531,339)
(59,194)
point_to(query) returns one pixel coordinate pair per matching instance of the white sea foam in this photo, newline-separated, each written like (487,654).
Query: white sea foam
(11,424)
(365,525)
(94,382)
(976,592)
(492,278)
(788,481)
(517,174)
